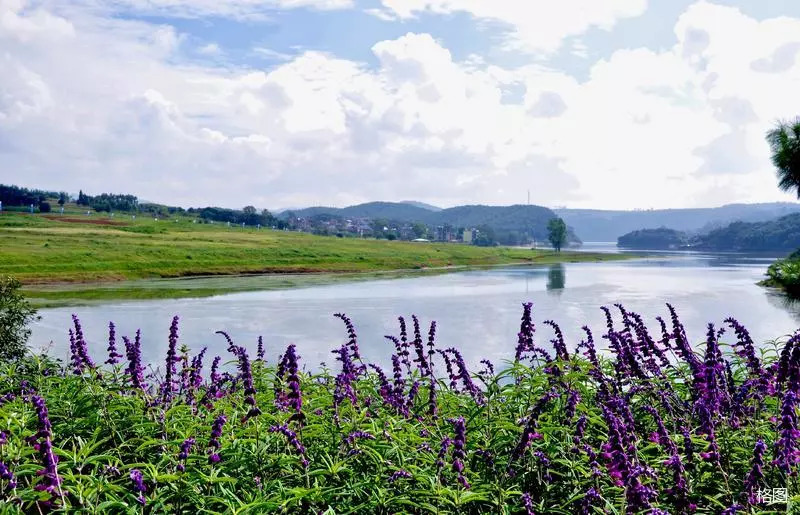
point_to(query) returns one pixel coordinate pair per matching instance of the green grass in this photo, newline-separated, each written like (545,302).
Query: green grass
(103,262)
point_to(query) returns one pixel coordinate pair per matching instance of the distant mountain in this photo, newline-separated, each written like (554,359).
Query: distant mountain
(510,224)
(423,205)
(601,225)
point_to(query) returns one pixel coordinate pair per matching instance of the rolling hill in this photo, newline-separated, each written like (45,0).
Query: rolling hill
(601,225)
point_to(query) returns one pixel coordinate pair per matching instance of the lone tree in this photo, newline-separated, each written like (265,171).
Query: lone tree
(557,233)
(15,315)
(784,142)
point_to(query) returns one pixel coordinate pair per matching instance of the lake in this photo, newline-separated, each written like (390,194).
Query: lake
(477,311)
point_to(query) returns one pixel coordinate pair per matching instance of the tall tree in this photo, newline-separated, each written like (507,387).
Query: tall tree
(557,233)
(784,142)
(16,314)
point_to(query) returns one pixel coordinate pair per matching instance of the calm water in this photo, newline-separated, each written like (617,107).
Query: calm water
(478,311)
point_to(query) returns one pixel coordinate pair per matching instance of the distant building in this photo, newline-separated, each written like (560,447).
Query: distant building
(467,235)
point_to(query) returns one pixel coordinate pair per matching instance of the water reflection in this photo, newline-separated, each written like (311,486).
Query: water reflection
(556,278)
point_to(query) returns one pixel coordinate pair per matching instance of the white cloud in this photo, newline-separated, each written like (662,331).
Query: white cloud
(534,25)
(239,9)
(210,49)
(106,104)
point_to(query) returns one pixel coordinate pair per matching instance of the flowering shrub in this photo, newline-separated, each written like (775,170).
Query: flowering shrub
(654,425)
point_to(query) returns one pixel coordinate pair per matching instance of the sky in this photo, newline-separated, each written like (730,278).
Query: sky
(613,104)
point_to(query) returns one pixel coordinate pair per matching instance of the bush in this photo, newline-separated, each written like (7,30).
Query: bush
(44,207)
(651,426)
(15,315)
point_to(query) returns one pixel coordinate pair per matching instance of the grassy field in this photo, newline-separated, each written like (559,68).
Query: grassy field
(75,257)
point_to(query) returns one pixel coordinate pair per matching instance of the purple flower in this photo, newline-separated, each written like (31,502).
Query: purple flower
(525,335)
(558,341)
(443,448)
(183,455)
(431,345)
(295,396)
(527,503)
(351,333)
(590,499)
(458,453)
(168,387)
(786,451)
(75,358)
(573,398)
(419,347)
(138,485)
(246,374)
(80,356)
(343,388)
(113,355)
(7,476)
(51,481)
(466,379)
(682,342)
(196,377)
(213,442)
(489,370)
(529,433)
(756,474)
(260,350)
(399,474)
(293,441)
(134,355)
(591,353)
(433,406)
(358,435)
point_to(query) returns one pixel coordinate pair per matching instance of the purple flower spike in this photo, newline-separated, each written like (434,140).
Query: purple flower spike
(400,474)
(525,337)
(183,455)
(459,454)
(7,476)
(113,355)
(786,451)
(133,353)
(756,474)
(80,352)
(352,343)
(216,434)
(168,387)
(293,441)
(51,481)
(527,502)
(260,350)
(138,485)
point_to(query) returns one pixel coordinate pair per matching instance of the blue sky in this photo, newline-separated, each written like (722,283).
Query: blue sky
(276,103)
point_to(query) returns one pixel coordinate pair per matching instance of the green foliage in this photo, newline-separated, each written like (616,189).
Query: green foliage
(785,274)
(781,234)
(557,233)
(784,143)
(15,316)
(44,207)
(16,196)
(661,238)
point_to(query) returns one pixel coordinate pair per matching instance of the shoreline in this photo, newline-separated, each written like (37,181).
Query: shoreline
(45,295)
